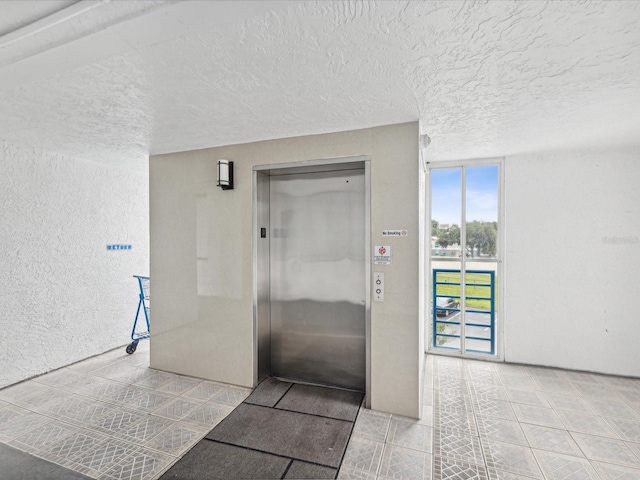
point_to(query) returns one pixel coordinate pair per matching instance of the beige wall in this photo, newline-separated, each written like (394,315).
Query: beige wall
(201,258)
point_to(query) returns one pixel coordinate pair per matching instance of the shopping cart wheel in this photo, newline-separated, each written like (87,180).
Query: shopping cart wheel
(132,347)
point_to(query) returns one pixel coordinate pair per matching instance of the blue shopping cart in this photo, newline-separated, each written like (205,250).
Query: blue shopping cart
(144,305)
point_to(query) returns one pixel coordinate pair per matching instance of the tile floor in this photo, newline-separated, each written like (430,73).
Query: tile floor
(111,417)
(504,422)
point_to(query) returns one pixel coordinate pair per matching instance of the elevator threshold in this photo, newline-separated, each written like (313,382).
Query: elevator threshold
(282,430)
(315,384)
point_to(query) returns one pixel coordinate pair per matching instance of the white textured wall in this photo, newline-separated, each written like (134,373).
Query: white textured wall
(208,331)
(573,260)
(63,296)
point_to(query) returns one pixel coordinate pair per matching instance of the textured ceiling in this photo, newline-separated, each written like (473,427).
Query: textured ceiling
(483,78)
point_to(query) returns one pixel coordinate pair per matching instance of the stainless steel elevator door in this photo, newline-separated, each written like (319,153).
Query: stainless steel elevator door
(317,269)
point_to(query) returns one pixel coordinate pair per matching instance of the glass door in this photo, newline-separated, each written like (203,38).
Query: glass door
(465,261)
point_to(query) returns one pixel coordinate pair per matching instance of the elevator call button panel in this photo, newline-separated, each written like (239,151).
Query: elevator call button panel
(378,287)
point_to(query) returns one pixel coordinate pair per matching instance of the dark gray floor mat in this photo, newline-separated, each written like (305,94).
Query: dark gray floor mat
(328,402)
(291,434)
(208,460)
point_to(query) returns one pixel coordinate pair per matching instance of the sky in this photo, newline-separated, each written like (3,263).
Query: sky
(482,194)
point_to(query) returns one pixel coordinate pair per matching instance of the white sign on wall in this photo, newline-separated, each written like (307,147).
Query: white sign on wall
(382,255)
(394,233)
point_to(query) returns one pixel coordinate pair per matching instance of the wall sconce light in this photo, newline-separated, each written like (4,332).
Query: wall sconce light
(225,174)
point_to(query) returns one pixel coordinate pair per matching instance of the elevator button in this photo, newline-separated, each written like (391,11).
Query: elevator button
(378,293)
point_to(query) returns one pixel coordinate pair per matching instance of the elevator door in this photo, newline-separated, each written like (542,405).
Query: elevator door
(317,270)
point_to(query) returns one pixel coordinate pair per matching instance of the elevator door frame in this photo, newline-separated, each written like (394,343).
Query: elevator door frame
(261,317)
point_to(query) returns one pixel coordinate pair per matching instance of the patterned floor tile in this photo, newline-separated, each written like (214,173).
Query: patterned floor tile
(574,403)
(518,381)
(606,450)
(542,372)
(585,377)
(405,464)
(529,397)
(122,373)
(555,440)
(495,474)
(456,445)
(146,429)
(630,397)
(348,473)
(180,385)
(20,424)
(410,435)
(555,386)
(230,396)
(39,401)
(511,369)
(451,382)
(372,425)
(363,454)
(118,421)
(557,466)
(101,389)
(488,390)
(140,359)
(426,420)
(204,391)
(96,459)
(500,429)
(615,472)
(510,458)
(635,448)
(612,409)
(80,411)
(149,400)
(67,450)
(620,382)
(79,381)
(176,439)
(595,390)
(155,380)
(11,412)
(22,390)
(42,437)
(177,408)
(207,415)
(494,408)
(58,378)
(93,363)
(455,420)
(537,415)
(484,376)
(451,469)
(139,465)
(586,423)
(449,400)
(626,428)
(127,395)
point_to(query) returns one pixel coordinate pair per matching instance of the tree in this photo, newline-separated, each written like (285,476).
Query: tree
(482,237)
(450,236)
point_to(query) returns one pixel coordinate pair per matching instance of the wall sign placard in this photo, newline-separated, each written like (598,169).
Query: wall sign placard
(382,255)
(118,247)
(394,233)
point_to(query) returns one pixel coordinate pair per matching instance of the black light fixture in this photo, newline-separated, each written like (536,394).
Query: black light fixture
(225,174)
